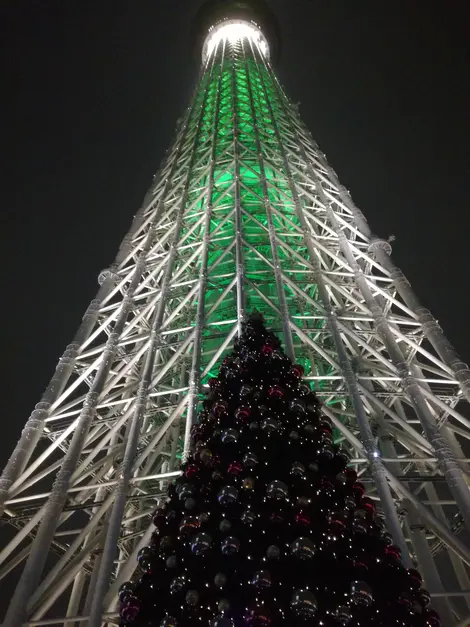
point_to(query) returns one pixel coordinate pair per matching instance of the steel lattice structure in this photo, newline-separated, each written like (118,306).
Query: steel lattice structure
(245,213)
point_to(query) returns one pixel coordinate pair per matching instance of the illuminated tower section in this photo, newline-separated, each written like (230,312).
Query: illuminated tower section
(245,213)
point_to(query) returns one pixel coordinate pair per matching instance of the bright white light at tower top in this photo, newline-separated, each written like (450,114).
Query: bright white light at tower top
(232,31)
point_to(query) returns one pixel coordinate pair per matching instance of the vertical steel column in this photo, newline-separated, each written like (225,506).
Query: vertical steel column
(272,234)
(114,524)
(368,440)
(382,251)
(428,567)
(417,533)
(195,373)
(52,510)
(455,479)
(238,213)
(35,424)
(452,471)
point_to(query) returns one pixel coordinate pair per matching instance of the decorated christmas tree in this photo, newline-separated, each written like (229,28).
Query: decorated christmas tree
(267,525)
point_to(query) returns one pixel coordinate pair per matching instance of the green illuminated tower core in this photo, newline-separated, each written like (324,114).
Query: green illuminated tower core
(245,214)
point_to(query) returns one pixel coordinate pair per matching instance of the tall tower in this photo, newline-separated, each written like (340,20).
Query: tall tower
(245,213)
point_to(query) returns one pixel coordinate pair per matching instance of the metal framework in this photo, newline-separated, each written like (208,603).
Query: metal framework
(245,212)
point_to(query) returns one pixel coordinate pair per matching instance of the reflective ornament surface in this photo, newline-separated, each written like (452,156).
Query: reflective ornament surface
(343,615)
(277,490)
(228,495)
(230,436)
(230,545)
(303,548)
(201,543)
(361,593)
(262,579)
(304,604)
(270,425)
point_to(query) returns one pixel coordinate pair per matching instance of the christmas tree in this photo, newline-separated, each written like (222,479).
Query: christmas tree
(267,525)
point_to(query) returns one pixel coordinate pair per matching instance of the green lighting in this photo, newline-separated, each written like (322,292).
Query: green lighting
(242,93)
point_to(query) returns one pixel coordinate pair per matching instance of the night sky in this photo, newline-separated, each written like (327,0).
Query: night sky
(93,91)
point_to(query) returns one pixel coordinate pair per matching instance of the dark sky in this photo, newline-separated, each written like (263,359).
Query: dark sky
(93,91)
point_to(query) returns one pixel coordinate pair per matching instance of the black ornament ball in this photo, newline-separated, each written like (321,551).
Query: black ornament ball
(189,504)
(201,543)
(126,591)
(360,526)
(273,552)
(248,517)
(230,545)
(343,615)
(172,561)
(258,615)
(297,469)
(326,451)
(424,597)
(303,548)
(130,610)
(270,425)
(225,525)
(192,597)
(245,390)
(184,491)
(220,580)
(145,558)
(297,405)
(188,525)
(262,579)
(361,593)
(206,456)
(228,495)
(277,490)
(230,436)
(304,604)
(250,460)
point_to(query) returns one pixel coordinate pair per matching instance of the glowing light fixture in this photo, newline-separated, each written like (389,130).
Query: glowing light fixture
(232,31)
